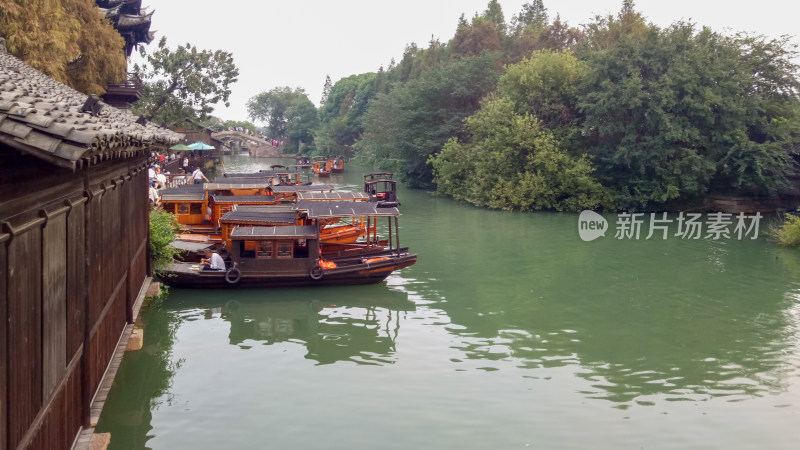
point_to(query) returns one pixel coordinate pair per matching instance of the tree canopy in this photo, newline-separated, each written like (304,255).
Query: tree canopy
(414,120)
(288,113)
(673,114)
(68,40)
(183,83)
(341,117)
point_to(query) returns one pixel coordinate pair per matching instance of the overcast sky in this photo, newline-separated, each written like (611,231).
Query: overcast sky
(297,42)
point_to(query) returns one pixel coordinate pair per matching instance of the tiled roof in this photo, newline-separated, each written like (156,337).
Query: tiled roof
(43,117)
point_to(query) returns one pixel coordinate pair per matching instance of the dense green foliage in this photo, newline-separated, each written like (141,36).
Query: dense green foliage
(788,233)
(163,227)
(183,83)
(68,40)
(671,114)
(414,120)
(240,123)
(512,162)
(289,115)
(535,114)
(341,116)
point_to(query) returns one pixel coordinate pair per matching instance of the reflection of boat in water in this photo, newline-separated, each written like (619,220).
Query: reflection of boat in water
(356,330)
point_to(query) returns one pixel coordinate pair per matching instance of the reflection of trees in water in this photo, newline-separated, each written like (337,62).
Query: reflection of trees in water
(361,327)
(361,332)
(146,376)
(681,333)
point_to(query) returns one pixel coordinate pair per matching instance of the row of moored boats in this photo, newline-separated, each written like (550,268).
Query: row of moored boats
(273,228)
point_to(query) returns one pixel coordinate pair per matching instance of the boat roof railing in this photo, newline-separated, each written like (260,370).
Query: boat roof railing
(241,183)
(334,195)
(243,198)
(290,231)
(303,188)
(265,208)
(376,176)
(322,209)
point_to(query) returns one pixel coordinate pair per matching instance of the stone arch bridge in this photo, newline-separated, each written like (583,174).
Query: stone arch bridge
(244,142)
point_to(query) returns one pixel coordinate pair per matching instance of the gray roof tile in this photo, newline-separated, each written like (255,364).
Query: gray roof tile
(41,116)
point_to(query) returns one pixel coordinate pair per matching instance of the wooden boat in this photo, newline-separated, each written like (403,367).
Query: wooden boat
(291,255)
(381,187)
(256,215)
(221,204)
(189,203)
(321,166)
(336,164)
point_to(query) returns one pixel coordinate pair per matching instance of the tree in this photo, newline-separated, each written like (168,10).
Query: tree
(301,121)
(546,85)
(183,83)
(482,35)
(509,161)
(240,123)
(326,90)
(68,40)
(403,128)
(341,117)
(673,114)
(533,15)
(494,14)
(284,110)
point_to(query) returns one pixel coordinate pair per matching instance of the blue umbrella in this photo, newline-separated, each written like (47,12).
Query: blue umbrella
(201,146)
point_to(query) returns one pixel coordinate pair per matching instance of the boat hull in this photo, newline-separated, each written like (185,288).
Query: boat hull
(365,272)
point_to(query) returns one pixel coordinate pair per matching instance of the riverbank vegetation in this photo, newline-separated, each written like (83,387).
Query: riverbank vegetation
(163,227)
(788,233)
(533,113)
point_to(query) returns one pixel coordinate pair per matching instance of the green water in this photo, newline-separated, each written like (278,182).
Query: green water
(509,332)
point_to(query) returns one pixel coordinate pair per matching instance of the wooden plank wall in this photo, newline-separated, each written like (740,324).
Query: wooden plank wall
(3,343)
(72,256)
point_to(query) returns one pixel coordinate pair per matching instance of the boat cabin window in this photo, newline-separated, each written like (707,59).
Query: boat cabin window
(264,249)
(284,249)
(183,208)
(274,249)
(195,208)
(225,208)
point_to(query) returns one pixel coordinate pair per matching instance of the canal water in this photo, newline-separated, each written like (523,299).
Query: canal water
(509,332)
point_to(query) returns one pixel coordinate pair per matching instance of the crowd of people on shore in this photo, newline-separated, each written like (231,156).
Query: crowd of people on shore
(164,173)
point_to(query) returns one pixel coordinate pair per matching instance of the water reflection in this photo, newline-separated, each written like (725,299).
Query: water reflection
(362,331)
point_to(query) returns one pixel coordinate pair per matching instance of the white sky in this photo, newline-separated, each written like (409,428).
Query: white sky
(297,42)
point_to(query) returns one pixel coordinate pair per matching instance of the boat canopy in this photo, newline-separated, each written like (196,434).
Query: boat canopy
(322,209)
(189,192)
(293,231)
(332,196)
(265,208)
(302,188)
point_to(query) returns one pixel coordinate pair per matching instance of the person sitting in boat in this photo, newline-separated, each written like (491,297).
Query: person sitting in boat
(212,261)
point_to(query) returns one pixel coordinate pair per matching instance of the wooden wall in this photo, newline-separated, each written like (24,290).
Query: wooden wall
(73,257)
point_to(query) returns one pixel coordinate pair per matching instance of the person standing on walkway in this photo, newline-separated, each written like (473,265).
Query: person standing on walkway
(198,176)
